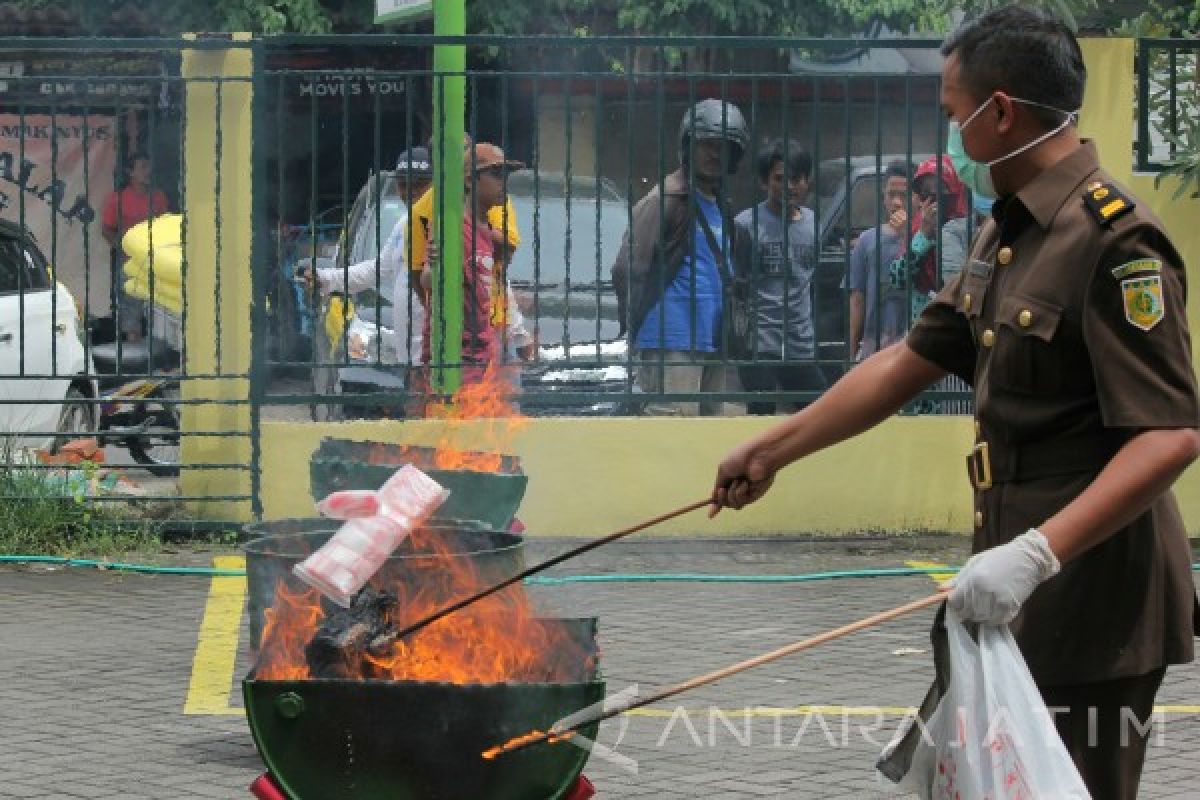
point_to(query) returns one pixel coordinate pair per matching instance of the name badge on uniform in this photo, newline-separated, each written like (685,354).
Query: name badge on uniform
(1143,301)
(980,269)
(1134,267)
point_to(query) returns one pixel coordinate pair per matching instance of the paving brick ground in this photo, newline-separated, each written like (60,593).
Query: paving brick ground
(96,668)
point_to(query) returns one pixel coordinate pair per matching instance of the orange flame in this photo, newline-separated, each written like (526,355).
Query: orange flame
(496,640)
(481,412)
(288,627)
(485,399)
(524,740)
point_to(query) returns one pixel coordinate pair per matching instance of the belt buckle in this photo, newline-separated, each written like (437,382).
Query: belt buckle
(979,464)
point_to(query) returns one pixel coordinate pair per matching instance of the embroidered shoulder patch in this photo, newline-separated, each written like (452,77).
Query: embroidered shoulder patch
(1106,202)
(1134,267)
(1143,301)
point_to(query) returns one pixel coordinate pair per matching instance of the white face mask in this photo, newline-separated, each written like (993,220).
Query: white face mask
(978,175)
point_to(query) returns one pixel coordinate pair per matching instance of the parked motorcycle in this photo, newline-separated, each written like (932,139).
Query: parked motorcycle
(140,414)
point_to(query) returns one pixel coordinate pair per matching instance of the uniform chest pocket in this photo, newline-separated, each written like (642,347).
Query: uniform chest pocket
(975,282)
(1029,352)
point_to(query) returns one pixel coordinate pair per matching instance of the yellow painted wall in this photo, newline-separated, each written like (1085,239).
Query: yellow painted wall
(589,477)
(1108,118)
(217,334)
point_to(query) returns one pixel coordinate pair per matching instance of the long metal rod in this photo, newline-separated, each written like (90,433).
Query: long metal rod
(536,568)
(521,742)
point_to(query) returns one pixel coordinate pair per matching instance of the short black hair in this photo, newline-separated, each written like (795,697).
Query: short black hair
(897,169)
(1027,53)
(130,162)
(797,159)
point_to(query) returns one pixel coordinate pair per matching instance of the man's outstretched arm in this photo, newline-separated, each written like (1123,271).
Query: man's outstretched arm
(867,395)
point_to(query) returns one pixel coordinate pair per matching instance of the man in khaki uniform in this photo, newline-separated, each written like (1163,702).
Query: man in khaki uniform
(1069,321)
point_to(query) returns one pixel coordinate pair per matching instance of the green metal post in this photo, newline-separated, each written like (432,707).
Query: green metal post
(449,89)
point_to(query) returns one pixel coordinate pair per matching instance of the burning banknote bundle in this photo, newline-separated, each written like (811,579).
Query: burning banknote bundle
(376,524)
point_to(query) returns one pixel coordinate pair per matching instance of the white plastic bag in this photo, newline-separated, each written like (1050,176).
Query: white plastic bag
(991,736)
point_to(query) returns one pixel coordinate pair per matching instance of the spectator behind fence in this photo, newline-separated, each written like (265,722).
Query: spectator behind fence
(136,202)
(879,313)
(506,238)
(484,179)
(940,198)
(414,172)
(669,272)
(776,261)
(960,234)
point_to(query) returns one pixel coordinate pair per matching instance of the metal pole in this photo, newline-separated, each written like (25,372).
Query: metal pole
(564,729)
(449,87)
(545,565)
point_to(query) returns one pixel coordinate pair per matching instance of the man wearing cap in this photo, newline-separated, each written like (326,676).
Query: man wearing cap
(484,168)
(413,174)
(674,260)
(1069,321)
(506,238)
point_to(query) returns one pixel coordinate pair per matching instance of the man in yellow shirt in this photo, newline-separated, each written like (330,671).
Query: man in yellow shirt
(505,237)
(503,221)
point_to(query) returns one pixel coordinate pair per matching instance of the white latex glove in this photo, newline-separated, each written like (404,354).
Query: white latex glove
(993,584)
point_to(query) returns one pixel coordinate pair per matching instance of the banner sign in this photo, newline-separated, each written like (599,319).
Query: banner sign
(60,170)
(401,10)
(98,80)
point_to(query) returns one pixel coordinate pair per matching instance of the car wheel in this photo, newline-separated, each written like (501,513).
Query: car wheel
(77,419)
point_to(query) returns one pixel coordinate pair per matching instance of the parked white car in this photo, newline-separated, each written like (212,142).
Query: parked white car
(42,357)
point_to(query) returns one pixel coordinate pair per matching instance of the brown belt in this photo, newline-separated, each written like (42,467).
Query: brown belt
(990,463)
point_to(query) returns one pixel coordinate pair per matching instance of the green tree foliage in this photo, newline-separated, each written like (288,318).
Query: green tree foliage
(1179,18)
(657,17)
(736,17)
(169,17)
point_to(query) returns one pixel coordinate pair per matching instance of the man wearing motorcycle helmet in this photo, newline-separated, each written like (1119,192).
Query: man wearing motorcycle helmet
(673,262)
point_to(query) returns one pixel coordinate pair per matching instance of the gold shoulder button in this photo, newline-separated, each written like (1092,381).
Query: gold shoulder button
(1105,202)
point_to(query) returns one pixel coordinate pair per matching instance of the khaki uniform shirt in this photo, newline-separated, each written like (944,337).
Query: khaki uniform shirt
(1069,321)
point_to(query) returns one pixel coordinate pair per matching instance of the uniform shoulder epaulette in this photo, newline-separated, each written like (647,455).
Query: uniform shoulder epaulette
(1106,202)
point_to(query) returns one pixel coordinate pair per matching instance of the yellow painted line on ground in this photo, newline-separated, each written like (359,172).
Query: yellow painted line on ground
(938,577)
(217,644)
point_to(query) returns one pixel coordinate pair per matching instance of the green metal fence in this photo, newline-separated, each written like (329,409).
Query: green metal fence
(1168,87)
(282,284)
(99,321)
(595,123)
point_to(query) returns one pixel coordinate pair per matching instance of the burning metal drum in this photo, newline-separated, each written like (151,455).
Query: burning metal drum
(417,740)
(340,707)
(484,487)
(280,545)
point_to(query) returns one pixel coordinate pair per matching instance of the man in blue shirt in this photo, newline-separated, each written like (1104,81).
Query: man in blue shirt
(671,270)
